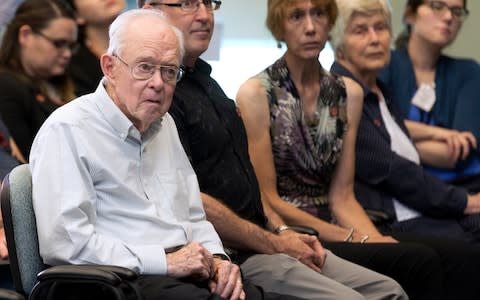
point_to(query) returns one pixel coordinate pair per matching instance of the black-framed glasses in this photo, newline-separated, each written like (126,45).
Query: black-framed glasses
(145,71)
(60,44)
(439,8)
(191,6)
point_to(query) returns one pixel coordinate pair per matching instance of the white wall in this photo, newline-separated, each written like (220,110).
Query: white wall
(245,19)
(247,46)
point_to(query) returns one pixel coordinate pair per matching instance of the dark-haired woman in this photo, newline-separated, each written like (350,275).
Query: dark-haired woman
(438,94)
(36,49)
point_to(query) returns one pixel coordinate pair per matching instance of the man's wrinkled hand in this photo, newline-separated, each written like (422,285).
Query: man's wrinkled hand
(227,280)
(192,260)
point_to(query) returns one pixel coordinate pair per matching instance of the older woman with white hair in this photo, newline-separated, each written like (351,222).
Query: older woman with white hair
(388,176)
(389,179)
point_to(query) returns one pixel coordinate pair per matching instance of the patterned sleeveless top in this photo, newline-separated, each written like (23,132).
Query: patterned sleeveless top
(305,153)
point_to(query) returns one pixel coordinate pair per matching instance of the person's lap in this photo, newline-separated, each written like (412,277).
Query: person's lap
(150,287)
(339,278)
(166,288)
(460,261)
(416,267)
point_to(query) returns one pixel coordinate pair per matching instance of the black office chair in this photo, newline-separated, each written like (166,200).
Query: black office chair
(31,277)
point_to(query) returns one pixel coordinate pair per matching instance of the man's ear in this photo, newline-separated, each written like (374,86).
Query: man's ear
(107,63)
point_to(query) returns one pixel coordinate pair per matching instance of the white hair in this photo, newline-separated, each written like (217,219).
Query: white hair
(347,8)
(117,29)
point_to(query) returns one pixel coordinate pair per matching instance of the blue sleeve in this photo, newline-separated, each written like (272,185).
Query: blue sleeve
(467,107)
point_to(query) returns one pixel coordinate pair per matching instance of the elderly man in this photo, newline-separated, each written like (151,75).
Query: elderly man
(111,181)
(214,139)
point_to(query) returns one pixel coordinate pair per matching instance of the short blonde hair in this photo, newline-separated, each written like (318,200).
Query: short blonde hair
(276,14)
(347,8)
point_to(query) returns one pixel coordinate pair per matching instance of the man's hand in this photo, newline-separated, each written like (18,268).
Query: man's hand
(305,248)
(227,280)
(192,260)
(3,245)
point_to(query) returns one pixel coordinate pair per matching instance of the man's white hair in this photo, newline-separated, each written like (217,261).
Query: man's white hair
(122,22)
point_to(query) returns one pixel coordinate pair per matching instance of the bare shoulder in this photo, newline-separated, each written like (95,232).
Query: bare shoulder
(354,90)
(250,92)
(252,102)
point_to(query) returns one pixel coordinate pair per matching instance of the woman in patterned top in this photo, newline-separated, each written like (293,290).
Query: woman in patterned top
(296,117)
(301,123)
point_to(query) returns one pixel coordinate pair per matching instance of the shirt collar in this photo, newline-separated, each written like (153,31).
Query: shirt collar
(112,114)
(200,66)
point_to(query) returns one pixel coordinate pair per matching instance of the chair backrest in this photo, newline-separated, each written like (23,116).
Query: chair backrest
(21,228)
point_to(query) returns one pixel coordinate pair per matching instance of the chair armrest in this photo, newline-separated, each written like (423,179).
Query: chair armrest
(111,279)
(112,275)
(123,273)
(10,295)
(304,229)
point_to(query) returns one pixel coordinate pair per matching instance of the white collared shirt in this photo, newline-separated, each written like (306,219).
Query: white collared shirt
(400,144)
(105,194)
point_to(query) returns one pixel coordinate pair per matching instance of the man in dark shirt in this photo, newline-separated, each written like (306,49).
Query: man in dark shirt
(214,138)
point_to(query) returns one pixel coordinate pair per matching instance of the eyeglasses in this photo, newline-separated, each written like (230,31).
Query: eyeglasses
(191,6)
(145,71)
(60,44)
(439,8)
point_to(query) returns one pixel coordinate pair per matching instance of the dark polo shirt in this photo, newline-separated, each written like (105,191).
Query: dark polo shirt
(215,140)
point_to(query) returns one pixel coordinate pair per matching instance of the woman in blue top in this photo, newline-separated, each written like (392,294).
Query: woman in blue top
(434,89)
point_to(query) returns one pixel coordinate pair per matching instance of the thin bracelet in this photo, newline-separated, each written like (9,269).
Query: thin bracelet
(349,237)
(364,239)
